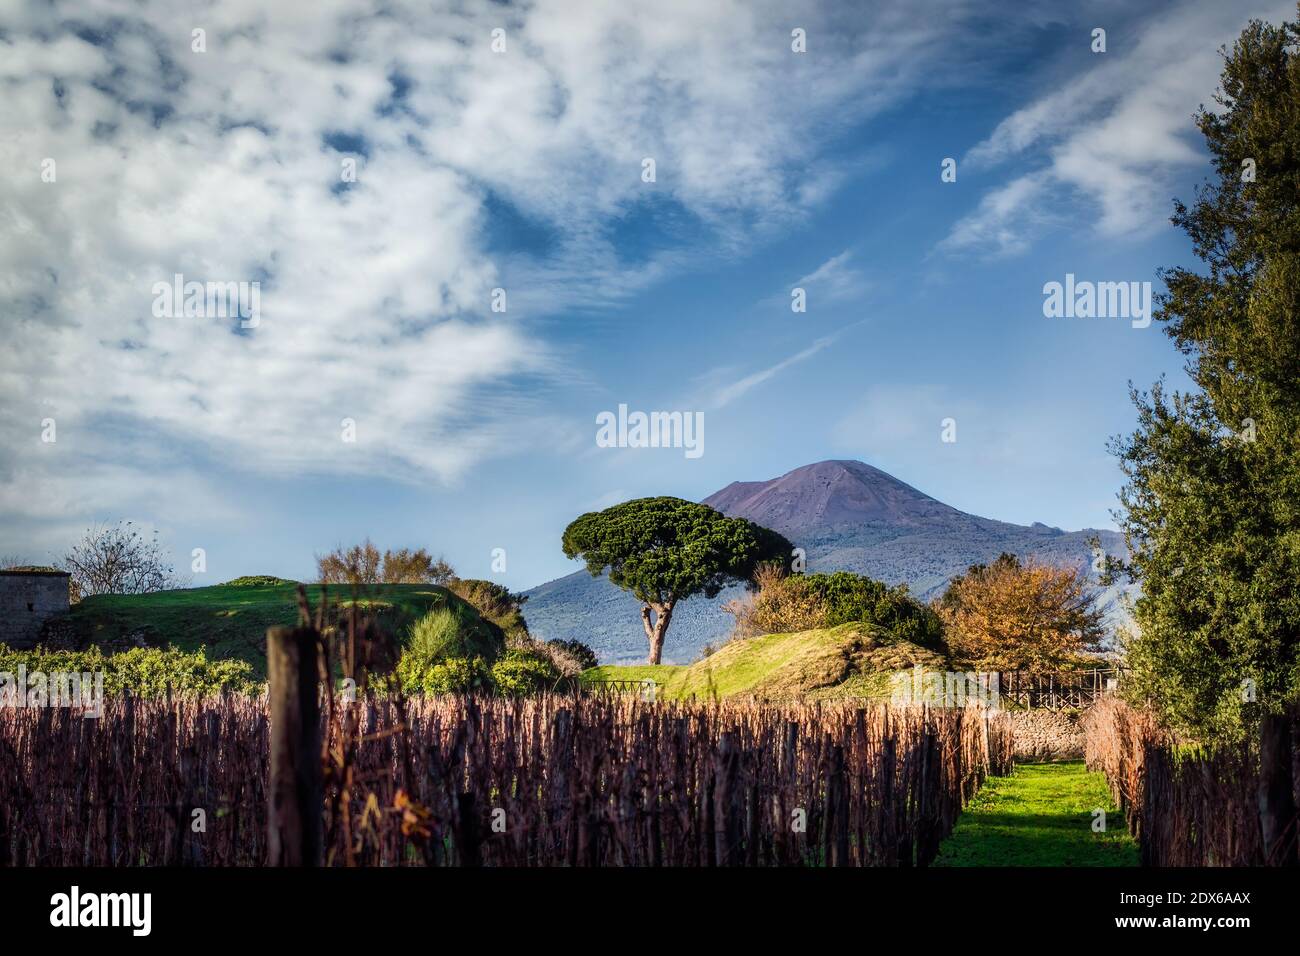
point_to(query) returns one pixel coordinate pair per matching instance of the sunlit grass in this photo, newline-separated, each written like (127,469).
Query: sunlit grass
(1042,815)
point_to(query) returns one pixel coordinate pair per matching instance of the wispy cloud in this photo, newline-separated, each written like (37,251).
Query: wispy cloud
(835,279)
(730,393)
(727,394)
(1112,137)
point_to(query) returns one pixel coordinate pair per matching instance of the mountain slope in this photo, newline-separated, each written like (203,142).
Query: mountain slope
(846,515)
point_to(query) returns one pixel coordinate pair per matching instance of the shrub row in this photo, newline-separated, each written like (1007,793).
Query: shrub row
(146,672)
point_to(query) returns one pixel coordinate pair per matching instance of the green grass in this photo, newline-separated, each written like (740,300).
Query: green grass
(848,660)
(1042,815)
(230,620)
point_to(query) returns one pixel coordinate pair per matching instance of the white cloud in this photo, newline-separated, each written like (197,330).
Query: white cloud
(374,299)
(1114,136)
(1005,222)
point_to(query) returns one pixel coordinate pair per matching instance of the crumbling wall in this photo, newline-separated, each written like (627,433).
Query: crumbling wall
(27,600)
(1042,735)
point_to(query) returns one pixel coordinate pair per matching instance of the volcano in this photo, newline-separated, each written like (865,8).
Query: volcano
(847,516)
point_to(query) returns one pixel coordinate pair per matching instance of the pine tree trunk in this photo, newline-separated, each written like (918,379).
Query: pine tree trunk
(654,631)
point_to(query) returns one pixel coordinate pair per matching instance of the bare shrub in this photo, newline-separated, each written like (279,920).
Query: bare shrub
(583,656)
(358,564)
(118,559)
(777,604)
(561,658)
(363,564)
(405,566)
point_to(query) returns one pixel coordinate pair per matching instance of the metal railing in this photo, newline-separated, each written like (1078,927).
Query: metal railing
(646,688)
(1059,690)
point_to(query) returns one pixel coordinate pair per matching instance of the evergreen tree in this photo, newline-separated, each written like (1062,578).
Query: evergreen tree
(1212,502)
(665,550)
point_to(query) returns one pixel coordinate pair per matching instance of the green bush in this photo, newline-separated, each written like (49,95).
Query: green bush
(519,673)
(442,656)
(446,632)
(258,581)
(145,671)
(453,675)
(850,598)
(446,653)
(436,636)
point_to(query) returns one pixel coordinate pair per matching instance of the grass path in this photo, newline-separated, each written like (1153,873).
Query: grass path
(1040,816)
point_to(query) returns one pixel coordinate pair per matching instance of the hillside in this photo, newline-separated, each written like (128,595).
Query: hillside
(851,660)
(231,619)
(847,516)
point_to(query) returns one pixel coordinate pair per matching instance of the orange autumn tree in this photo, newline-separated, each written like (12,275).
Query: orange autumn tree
(1028,616)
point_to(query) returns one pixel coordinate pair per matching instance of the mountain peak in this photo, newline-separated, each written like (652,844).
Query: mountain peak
(828,494)
(847,516)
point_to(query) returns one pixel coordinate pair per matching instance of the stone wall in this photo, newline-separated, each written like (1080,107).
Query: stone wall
(1046,735)
(27,600)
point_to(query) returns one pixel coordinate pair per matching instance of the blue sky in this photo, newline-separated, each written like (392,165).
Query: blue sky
(521,170)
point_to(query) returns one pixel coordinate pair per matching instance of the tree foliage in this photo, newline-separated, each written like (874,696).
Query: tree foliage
(1029,616)
(1211,506)
(665,550)
(144,671)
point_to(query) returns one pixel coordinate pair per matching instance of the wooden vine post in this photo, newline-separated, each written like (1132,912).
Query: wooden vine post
(294,826)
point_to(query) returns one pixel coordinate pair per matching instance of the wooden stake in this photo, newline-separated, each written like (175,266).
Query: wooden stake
(294,825)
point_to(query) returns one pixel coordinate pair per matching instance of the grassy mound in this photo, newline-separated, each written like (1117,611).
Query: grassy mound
(230,620)
(850,660)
